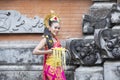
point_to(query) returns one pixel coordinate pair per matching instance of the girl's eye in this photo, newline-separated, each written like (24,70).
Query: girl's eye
(57,27)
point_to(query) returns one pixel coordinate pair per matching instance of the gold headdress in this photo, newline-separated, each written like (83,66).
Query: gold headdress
(51,17)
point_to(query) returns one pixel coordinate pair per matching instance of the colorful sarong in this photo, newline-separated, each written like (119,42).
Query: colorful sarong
(52,72)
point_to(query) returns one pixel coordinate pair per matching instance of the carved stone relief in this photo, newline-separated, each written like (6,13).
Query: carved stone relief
(108,42)
(85,52)
(103,24)
(106,36)
(101,17)
(12,21)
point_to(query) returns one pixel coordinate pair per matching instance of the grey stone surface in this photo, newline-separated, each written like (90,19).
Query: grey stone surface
(116,30)
(20,52)
(69,75)
(19,56)
(89,73)
(115,17)
(20,75)
(18,63)
(12,21)
(84,46)
(100,10)
(25,67)
(29,67)
(112,70)
(28,75)
(28,72)
(101,15)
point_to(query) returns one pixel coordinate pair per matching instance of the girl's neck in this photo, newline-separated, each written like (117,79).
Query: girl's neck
(54,36)
(55,39)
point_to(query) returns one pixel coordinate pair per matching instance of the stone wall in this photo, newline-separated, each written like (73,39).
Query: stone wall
(18,63)
(102,16)
(70,12)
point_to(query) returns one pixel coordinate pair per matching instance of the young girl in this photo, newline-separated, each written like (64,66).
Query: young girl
(52,68)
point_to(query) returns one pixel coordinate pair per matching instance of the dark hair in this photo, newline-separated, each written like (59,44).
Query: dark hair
(51,22)
(48,35)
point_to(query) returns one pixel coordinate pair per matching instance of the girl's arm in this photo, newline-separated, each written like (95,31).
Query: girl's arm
(38,49)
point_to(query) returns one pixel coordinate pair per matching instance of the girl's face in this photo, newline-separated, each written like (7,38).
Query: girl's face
(55,28)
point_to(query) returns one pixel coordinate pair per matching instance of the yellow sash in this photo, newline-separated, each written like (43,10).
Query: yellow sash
(57,58)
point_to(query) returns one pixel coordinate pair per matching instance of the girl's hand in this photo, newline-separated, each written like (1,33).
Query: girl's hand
(50,51)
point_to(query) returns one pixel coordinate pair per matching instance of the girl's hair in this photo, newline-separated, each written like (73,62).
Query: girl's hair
(48,21)
(51,22)
(48,35)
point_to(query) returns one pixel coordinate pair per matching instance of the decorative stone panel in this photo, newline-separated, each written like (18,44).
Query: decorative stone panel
(84,51)
(12,21)
(100,16)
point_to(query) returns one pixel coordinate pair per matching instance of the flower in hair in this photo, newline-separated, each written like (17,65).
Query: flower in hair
(55,18)
(52,17)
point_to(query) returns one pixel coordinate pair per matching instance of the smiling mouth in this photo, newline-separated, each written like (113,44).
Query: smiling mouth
(56,32)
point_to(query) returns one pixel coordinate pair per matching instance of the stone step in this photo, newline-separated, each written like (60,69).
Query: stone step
(28,72)
(89,73)
(18,63)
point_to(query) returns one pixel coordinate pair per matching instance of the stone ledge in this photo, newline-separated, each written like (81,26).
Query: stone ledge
(20,52)
(28,68)
(23,44)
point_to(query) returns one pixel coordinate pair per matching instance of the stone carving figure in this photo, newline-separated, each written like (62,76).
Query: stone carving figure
(90,22)
(4,21)
(83,51)
(108,42)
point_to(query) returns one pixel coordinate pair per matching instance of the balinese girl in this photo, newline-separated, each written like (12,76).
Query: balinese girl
(54,54)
